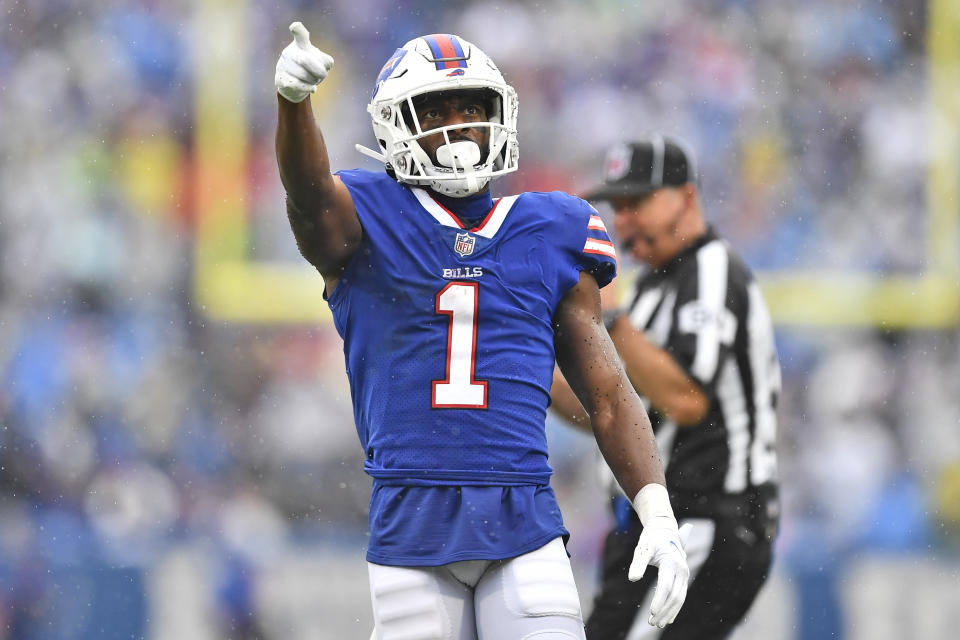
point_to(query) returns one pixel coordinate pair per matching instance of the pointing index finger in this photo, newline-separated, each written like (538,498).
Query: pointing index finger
(300,34)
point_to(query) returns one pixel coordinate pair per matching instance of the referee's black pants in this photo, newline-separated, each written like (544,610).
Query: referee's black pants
(729,561)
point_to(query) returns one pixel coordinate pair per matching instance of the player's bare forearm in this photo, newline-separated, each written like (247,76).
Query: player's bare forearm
(590,364)
(656,375)
(319,206)
(301,151)
(565,404)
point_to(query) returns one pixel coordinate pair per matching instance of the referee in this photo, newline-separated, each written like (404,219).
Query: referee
(697,343)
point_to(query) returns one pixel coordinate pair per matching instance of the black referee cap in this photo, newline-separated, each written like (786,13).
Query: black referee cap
(639,167)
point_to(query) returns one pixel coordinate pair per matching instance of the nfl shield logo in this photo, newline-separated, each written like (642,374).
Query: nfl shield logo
(618,162)
(464,244)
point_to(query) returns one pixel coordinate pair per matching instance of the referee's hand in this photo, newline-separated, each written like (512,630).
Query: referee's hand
(660,545)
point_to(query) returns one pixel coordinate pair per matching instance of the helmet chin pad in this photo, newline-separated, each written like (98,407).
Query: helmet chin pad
(459,155)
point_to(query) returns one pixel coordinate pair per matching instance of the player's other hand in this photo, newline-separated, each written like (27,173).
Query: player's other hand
(660,545)
(301,66)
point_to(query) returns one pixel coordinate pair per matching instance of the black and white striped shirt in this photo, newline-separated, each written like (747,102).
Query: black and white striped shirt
(705,308)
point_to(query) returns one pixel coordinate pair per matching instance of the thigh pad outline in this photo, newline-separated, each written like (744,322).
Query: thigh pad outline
(407,604)
(540,583)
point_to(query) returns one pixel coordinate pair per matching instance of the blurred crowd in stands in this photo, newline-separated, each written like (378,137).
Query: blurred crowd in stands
(131,423)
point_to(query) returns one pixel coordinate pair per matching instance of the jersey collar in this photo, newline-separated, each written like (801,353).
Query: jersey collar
(486,228)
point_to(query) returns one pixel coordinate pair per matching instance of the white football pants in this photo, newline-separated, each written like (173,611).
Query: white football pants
(530,597)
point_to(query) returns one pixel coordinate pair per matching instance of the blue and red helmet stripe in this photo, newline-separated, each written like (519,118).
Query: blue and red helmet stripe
(447,51)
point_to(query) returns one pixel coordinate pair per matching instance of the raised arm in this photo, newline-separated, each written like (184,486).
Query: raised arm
(590,364)
(319,206)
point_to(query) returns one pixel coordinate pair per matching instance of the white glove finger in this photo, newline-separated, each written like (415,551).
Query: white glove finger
(300,34)
(314,61)
(674,592)
(289,86)
(666,577)
(326,59)
(676,602)
(685,530)
(678,594)
(291,64)
(641,558)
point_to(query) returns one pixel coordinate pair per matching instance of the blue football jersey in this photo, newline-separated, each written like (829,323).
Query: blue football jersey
(448,341)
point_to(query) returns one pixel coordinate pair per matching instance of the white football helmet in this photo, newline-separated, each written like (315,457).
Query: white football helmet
(433,63)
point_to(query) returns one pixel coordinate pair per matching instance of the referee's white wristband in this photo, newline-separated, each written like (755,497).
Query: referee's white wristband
(652,501)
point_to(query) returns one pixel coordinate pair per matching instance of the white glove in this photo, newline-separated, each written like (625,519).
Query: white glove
(301,66)
(660,545)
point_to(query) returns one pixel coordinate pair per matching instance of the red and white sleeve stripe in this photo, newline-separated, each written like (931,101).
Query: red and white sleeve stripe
(601,247)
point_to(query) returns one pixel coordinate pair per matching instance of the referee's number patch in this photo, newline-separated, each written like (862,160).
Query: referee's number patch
(696,317)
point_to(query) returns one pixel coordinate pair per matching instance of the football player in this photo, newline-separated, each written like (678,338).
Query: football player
(453,306)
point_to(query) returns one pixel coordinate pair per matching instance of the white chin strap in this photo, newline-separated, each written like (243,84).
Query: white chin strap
(459,155)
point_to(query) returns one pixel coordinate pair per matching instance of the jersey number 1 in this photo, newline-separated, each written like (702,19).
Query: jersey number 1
(460,389)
